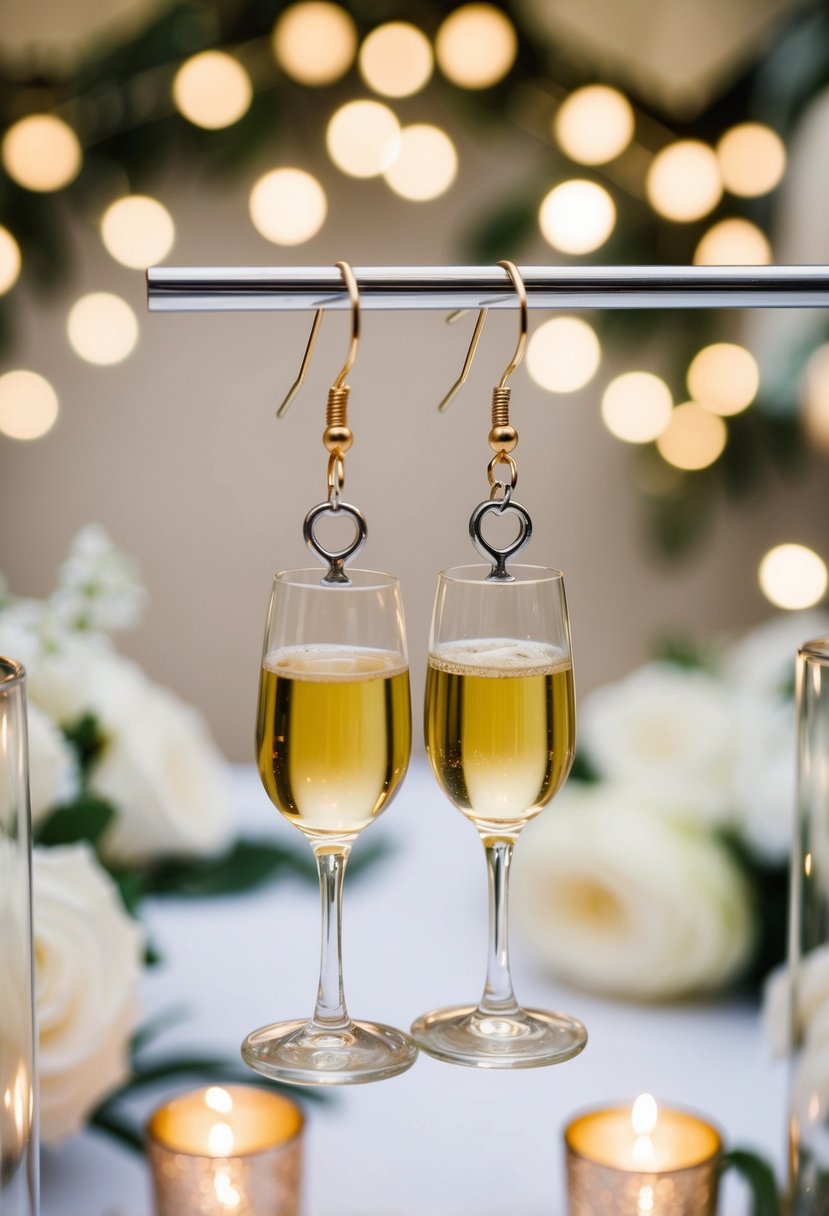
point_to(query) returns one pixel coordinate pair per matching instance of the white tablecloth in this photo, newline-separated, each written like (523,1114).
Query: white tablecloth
(442,1140)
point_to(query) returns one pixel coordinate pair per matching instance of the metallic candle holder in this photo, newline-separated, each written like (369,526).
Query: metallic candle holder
(226,1149)
(637,1161)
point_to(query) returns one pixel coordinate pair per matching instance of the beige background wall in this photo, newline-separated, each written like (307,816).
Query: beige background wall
(177,452)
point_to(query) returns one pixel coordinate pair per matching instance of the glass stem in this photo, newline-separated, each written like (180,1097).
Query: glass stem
(498,998)
(330,1012)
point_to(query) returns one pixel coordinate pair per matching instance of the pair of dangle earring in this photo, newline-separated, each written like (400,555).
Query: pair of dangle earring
(334,738)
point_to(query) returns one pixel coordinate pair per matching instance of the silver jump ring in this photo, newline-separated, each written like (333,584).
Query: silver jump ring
(335,559)
(500,557)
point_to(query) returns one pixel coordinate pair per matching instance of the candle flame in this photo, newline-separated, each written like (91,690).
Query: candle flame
(644,1115)
(218,1099)
(220,1140)
(643,1153)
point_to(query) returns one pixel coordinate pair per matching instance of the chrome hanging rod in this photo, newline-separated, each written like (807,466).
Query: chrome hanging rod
(287,288)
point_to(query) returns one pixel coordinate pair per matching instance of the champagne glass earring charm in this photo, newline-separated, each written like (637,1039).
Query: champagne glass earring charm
(333,743)
(500,734)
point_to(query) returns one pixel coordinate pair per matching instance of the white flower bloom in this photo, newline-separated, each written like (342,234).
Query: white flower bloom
(98,585)
(764,775)
(53,773)
(763,662)
(668,731)
(85,674)
(159,766)
(89,959)
(811,1017)
(623,901)
(167,779)
(21,626)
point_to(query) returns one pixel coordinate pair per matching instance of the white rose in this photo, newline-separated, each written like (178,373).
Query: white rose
(764,775)
(85,674)
(624,901)
(167,779)
(809,1022)
(89,958)
(763,662)
(159,766)
(666,730)
(52,769)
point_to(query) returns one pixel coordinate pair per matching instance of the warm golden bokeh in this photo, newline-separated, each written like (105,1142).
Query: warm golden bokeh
(684,182)
(595,124)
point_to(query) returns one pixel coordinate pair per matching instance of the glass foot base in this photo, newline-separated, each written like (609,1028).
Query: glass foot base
(530,1038)
(298,1053)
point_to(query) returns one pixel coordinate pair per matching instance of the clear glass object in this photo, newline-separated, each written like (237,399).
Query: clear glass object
(500,735)
(18,1114)
(333,743)
(809,941)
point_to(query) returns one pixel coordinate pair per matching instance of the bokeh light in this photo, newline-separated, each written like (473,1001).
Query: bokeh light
(212,90)
(9,260)
(102,328)
(577,216)
(42,153)
(594,124)
(792,576)
(396,59)
(563,354)
(363,138)
(752,159)
(683,182)
(694,437)
(733,242)
(137,231)
(288,206)
(815,397)
(724,378)
(636,407)
(315,43)
(28,405)
(476,46)
(426,165)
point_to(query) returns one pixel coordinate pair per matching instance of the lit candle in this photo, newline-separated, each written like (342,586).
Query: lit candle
(226,1149)
(641,1161)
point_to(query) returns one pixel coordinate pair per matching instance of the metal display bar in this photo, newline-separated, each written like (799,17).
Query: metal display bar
(288,288)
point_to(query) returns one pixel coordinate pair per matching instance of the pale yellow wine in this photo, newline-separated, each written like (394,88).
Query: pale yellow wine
(333,735)
(500,727)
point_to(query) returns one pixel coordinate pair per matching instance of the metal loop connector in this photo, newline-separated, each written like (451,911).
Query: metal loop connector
(336,480)
(335,559)
(500,556)
(499,460)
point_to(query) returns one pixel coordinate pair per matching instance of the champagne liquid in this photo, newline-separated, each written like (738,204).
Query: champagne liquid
(500,727)
(333,735)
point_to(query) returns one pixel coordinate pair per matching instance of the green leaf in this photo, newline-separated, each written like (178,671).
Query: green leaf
(770,884)
(583,769)
(87,818)
(86,737)
(759,1176)
(119,1127)
(683,651)
(208,1067)
(249,863)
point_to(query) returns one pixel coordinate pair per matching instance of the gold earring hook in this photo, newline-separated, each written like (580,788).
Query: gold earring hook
(354,295)
(523,321)
(521,292)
